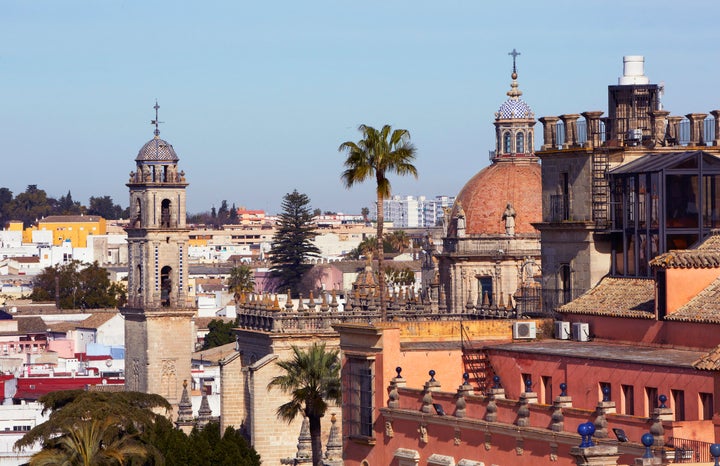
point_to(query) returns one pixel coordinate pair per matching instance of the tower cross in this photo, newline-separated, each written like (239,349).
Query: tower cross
(514,54)
(156,121)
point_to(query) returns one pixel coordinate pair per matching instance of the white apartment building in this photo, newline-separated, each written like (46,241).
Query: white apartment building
(415,212)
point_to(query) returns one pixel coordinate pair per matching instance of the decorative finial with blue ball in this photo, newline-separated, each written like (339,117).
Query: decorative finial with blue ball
(432,375)
(606,393)
(662,399)
(586,431)
(563,389)
(466,378)
(496,381)
(648,440)
(715,452)
(528,385)
(398,369)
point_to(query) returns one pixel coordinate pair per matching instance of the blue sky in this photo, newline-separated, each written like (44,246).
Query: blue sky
(257,96)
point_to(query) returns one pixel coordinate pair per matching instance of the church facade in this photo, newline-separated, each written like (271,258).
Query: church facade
(158,327)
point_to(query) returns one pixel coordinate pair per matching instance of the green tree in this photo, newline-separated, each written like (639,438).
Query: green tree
(66,206)
(6,197)
(31,205)
(89,288)
(219,333)
(293,242)
(130,412)
(241,280)
(365,212)
(312,379)
(89,442)
(105,208)
(398,240)
(376,155)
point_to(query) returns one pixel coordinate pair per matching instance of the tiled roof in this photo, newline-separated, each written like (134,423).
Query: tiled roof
(62,327)
(688,259)
(97,319)
(710,361)
(31,325)
(703,307)
(617,297)
(712,241)
(213,355)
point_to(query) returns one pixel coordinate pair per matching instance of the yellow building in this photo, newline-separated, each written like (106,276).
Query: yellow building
(69,228)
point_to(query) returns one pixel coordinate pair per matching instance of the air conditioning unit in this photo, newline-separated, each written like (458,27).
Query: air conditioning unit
(524,330)
(562,330)
(580,331)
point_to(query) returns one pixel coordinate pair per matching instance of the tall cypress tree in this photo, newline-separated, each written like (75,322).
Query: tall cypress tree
(292,243)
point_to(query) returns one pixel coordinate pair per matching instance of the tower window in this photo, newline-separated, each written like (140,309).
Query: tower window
(165,286)
(165,213)
(507,142)
(520,143)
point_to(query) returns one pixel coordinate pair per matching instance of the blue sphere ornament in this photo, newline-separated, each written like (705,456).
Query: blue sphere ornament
(648,440)
(528,384)
(563,389)
(586,430)
(606,393)
(496,381)
(432,375)
(466,377)
(662,399)
(398,369)
(715,452)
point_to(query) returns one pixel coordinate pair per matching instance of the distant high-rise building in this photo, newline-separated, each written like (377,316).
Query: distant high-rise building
(416,212)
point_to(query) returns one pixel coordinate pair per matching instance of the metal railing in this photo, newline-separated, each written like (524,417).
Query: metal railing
(682,450)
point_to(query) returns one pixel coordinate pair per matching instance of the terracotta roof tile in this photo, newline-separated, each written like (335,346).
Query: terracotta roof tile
(703,307)
(97,319)
(709,361)
(617,297)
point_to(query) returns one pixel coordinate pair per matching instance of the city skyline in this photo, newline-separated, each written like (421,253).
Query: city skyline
(257,98)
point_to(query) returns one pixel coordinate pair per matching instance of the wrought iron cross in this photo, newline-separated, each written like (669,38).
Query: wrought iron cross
(514,54)
(156,121)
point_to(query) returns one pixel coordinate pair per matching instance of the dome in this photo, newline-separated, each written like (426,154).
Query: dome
(157,150)
(487,194)
(514,108)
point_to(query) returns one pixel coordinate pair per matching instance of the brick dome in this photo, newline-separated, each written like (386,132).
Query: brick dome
(485,197)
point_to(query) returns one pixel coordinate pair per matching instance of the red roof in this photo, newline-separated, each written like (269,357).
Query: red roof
(32,388)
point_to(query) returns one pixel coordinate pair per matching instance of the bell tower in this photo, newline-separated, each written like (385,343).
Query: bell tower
(158,329)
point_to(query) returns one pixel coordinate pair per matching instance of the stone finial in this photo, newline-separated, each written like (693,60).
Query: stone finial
(185,413)
(716,115)
(333,449)
(204,413)
(311,302)
(660,414)
(469,306)
(592,119)
(304,445)
(301,306)
(334,302)
(324,307)
(697,128)
(571,132)
(393,395)
(288,303)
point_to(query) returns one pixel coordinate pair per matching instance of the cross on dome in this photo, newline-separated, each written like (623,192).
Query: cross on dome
(156,121)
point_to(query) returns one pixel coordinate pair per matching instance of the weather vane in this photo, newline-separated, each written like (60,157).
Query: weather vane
(156,121)
(514,54)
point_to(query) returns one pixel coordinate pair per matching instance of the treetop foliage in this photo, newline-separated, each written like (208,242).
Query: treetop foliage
(86,288)
(293,242)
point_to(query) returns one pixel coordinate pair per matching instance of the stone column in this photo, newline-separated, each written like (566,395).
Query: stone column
(716,115)
(549,132)
(697,128)
(592,121)
(571,134)
(659,415)
(673,129)
(658,123)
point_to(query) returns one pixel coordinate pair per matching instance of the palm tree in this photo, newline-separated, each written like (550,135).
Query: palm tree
(90,442)
(378,154)
(312,378)
(241,280)
(398,240)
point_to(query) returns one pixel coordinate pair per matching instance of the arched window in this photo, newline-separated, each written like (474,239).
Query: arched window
(139,279)
(520,143)
(165,214)
(507,140)
(138,213)
(165,285)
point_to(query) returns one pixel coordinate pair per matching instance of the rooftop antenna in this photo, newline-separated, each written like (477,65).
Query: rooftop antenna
(156,121)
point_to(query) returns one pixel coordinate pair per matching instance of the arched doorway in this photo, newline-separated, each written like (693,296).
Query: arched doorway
(165,213)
